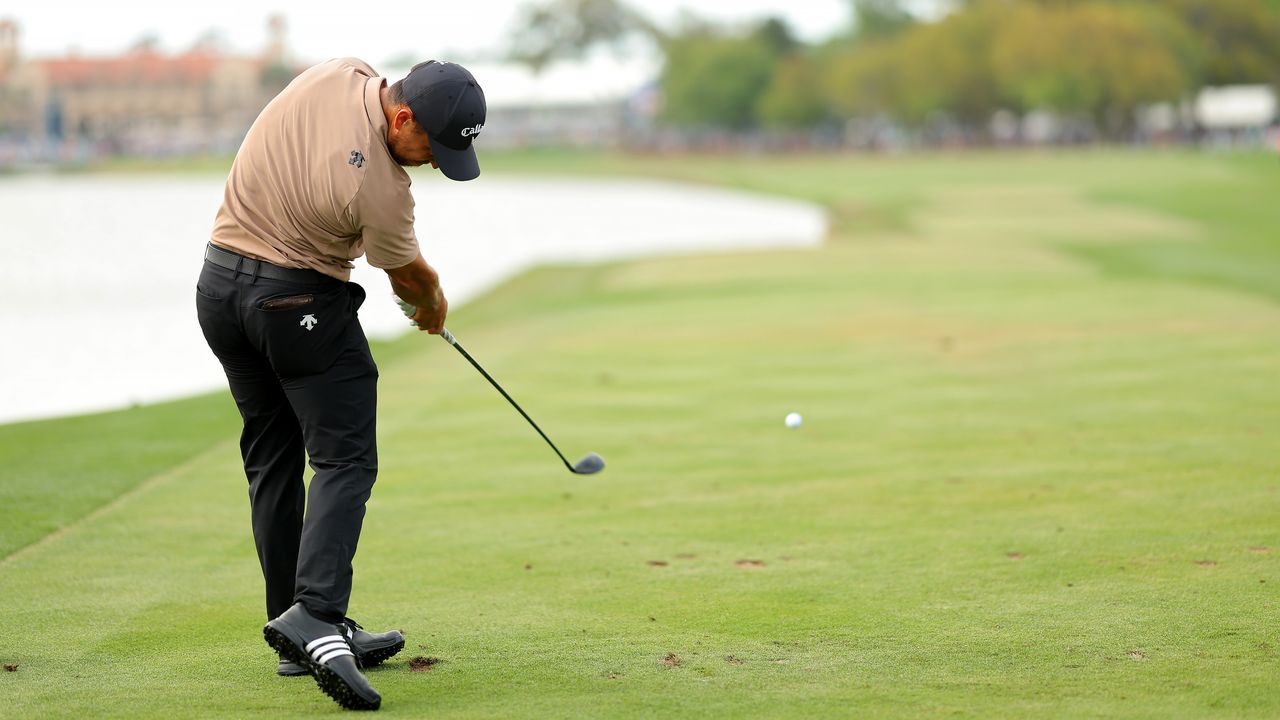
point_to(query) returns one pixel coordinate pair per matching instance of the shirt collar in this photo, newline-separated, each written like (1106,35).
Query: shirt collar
(373,106)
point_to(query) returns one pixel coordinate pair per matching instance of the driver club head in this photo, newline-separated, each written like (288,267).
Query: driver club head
(589,465)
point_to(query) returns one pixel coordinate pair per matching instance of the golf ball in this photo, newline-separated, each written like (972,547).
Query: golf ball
(793,420)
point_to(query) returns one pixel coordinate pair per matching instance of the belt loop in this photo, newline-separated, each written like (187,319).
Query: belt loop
(239,261)
(256,265)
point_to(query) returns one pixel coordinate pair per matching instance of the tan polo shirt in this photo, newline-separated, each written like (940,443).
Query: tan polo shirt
(313,185)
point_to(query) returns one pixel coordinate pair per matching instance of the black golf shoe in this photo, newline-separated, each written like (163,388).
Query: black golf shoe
(323,649)
(289,668)
(371,649)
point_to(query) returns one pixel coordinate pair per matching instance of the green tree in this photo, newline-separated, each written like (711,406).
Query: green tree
(710,79)
(963,62)
(1240,39)
(945,67)
(569,28)
(865,79)
(792,99)
(880,18)
(931,69)
(275,76)
(1093,58)
(1237,41)
(774,34)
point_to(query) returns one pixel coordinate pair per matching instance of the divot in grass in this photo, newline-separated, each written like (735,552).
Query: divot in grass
(423,664)
(672,660)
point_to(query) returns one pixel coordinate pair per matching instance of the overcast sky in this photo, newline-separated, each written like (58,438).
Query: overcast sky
(373,31)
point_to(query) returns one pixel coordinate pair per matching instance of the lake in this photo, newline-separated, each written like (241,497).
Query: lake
(99,313)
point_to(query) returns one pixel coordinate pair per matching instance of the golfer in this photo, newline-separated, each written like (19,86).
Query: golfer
(317,183)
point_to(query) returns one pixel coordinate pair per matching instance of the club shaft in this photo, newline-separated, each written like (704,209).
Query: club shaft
(449,338)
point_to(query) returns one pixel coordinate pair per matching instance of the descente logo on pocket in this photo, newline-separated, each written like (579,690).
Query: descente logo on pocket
(466,132)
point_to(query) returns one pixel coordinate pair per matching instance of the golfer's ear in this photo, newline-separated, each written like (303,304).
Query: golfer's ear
(402,117)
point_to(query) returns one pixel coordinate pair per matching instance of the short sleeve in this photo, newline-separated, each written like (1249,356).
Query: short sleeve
(385,221)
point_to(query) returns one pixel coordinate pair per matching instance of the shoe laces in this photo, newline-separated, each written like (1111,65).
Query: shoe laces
(349,627)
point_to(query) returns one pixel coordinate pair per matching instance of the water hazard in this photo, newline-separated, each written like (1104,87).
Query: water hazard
(97,308)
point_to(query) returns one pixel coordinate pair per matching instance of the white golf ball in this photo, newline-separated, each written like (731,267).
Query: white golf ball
(793,420)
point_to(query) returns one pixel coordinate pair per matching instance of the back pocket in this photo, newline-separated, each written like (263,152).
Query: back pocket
(287,302)
(301,334)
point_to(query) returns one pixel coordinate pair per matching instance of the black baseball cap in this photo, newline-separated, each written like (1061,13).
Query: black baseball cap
(448,103)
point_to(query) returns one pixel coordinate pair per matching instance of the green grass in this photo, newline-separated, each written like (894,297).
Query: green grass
(1037,475)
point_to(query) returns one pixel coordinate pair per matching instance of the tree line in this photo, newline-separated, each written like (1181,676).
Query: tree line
(1096,60)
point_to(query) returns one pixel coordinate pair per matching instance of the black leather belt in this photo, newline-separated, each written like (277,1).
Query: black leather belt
(260,268)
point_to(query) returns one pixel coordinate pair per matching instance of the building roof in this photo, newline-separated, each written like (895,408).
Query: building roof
(145,66)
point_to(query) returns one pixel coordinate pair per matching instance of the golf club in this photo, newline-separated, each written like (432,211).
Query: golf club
(588,465)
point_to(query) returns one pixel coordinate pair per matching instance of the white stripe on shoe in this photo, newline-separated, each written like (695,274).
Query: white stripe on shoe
(324,659)
(324,649)
(325,641)
(327,648)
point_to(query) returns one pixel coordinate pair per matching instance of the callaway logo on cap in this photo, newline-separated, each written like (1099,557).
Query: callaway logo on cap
(449,104)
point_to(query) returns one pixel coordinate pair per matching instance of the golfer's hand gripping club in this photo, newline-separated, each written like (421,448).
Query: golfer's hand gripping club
(409,311)
(591,463)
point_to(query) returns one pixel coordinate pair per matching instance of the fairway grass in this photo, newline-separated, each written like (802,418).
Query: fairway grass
(1037,476)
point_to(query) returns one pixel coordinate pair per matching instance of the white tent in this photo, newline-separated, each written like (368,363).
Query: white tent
(1236,107)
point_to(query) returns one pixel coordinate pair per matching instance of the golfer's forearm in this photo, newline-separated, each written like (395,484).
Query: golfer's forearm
(416,283)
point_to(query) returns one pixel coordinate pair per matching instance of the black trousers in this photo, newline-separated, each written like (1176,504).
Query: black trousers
(305,382)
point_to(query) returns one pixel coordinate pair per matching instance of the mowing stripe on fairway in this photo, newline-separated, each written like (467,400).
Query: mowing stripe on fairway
(118,502)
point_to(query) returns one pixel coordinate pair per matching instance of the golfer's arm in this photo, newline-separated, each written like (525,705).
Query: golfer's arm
(417,284)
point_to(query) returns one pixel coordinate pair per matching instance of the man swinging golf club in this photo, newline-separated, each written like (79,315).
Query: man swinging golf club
(317,183)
